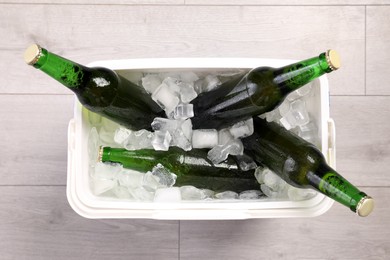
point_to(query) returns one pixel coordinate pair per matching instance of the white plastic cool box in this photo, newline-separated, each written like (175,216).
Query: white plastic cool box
(85,203)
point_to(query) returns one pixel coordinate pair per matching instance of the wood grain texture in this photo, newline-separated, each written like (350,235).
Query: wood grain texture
(37,223)
(287,2)
(98,2)
(362,138)
(338,234)
(378,50)
(204,2)
(34,131)
(87,33)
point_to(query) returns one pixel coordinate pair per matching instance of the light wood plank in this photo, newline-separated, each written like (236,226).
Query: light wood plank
(98,2)
(378,50)
(287,2)
(338,234)
(34,138)
(37,223)
(205,2)
(362,138)
(76,31)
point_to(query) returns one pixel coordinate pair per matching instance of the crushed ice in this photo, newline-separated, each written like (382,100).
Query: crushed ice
(173,92)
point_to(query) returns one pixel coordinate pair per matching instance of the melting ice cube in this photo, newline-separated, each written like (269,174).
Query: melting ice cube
(161,140)
(190,193)
(226,195)
(166,98)
(250,195)
(220,153)
(171,194)
(183,111)
(242,129)
(151,82)
(141,139)
(204,138)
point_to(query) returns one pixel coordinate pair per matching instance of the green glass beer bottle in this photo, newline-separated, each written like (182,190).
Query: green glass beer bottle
(259,91)
(191,167)
(302,165)
(100,90)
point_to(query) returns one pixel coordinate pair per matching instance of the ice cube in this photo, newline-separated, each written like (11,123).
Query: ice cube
(211,82)
(171,194)
(161,140)
(183,111)
(93,146)
(224,136)
(141,194)
(130,178)
(309,132)
(260,172)
(163,176)
(106,171)
(190,193)
(122,192)
(180,140)
(298,109)
(204,138)
(106,136)
(141,139)
(165,124)
(272,116)
(300,92)
(151,82)
(245,162)
(296,116)
(284,108)
(207,194)
(174,84)
(287,123)
(188,76)
(166,98)
(169,74)
(242,129)
(226,195)
(250,195)
(187,92)
(208,83)
(269,192)
(186,128)
(273,181)
(121,135)
(100,186)
(296,194)
(150,182)
(220,153)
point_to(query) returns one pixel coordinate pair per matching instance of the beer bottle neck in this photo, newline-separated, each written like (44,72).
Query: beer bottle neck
(298,74)
(140,160)
(63,70)
(333,185)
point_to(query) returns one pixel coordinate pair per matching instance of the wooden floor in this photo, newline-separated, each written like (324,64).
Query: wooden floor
(36,221)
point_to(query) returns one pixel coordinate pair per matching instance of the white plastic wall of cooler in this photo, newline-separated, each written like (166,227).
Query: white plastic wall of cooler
(86,204)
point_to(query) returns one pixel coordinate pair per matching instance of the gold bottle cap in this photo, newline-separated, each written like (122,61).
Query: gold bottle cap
(32,54)
(333,59)
(365,206)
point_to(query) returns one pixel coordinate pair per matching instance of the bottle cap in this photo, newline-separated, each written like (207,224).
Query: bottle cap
(365,206)
(32,54)
(333,59)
